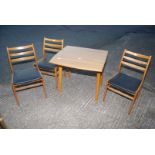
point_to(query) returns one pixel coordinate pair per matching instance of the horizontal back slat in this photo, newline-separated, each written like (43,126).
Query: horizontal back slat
(137,55)
(20,48)
(135,60)
(133,66)
(23,59)
(51,49)
(53,40)
(21,53)
(53,45)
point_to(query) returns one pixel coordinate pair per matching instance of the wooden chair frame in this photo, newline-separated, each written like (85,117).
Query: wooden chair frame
(53,46)
(129,59)
(12,52)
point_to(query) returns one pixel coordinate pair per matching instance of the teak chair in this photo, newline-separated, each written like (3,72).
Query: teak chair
(28,77)
(125,85)
(50,47)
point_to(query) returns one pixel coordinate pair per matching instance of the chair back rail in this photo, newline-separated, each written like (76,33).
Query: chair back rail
(21,54)
(135,61)
(20,47)
(52,45)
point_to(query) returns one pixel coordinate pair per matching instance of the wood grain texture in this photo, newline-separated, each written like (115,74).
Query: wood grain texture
(81,58)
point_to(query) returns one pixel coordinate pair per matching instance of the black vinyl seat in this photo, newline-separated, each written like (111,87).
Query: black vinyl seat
(125,83)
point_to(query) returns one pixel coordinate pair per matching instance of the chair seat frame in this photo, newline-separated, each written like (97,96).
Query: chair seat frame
(133,97)
(52,46)
(26,85)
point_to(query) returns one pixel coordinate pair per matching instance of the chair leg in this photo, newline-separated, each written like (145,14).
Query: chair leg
(133,103)
(131,107)
(138,94)
(56,77)
(44,88)
(15,94)
(98,78)
(105,93)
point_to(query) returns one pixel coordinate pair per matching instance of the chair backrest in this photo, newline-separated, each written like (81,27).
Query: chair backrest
(52,45)
(21,54)
(135,61)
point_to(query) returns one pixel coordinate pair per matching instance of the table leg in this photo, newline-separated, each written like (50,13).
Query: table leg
(60,79)
(101,81)
(98,79)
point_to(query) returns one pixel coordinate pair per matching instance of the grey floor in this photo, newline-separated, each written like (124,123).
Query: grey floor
(76,107)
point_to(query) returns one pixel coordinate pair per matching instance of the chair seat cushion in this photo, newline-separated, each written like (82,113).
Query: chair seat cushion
(125,83)
(26,76)
(44,63)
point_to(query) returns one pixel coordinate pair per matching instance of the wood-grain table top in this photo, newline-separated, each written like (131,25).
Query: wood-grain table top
(81,58)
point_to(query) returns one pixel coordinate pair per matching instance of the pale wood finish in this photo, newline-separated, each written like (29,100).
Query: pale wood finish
(20,48)
(53,46)
(98,80)
(21,53)
(29,49)
(60,79)
(53,40)
(52,50)
(137,54)
(29,86)
(135,60)
(133,66)
(120,92)
(83,59)
(139,59)
(23,59)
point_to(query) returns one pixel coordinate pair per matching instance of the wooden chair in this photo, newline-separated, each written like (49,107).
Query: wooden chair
(125,85)
(50,48)
(28,77)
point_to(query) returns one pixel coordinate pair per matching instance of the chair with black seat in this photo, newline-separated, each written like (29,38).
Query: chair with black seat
(127,85)
(50,48)
(28,76)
